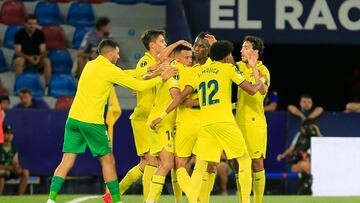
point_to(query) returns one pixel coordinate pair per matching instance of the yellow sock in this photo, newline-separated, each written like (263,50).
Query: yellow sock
(184,180)
(156,186)
(131,177)
(196,180)
(238,185)
(259,180)
(148,173)
(245,178)
(176,186)
(212,177)
(203,195)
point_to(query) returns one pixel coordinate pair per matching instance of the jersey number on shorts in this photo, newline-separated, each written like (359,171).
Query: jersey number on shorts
(213,87)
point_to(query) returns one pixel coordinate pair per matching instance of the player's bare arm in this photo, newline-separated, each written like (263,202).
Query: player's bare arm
(179,99)
(250,88)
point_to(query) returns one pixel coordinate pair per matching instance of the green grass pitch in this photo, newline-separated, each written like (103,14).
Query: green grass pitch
(170,199)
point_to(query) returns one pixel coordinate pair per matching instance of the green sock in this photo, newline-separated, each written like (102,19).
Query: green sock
(114,190)
(55,187)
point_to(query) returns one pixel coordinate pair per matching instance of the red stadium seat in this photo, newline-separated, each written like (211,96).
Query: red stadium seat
(13,12)
(54,37)
(64,102)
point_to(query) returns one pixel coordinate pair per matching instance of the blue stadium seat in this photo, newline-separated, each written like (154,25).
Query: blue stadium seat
(62,85)
(10,35)
(3,67)
(48,13)
(81,14)
(30,81)
(156,2)
(126,1)
(61,61)
(79,35)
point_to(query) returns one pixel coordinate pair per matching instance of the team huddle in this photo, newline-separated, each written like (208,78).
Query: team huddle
(183,109)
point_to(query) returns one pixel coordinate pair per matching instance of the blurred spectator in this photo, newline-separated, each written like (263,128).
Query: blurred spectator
(3,90)
(88,47)
(2,118)
(306,110)
(298,154)
(4,102)
(223,170)
(271,101)
(9,163)
(353,107)
(30,49)
(27,101)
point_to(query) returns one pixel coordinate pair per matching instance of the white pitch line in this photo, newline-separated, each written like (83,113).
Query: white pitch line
(82,199)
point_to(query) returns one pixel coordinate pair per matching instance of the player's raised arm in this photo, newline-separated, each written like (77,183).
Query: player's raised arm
(165,53)
(179,99)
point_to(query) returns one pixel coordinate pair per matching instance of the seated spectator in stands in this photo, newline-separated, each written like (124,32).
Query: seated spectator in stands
(271,101)
(30,50)
(306,110)
(223,169)
(27,101)
(4,102)
(298,153)
(353,107)
(3,90)
(10,167)
(88,47)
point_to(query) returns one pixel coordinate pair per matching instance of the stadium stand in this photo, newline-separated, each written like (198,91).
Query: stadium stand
(12,12)
(48,13)
(30,81)
(64,102)
(62,85)
(54,37)
(61,61)
(81,14)
(10,35)
(3,67)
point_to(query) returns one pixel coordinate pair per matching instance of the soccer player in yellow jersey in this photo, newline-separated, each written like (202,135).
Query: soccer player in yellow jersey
(250,111)
(154,42)
(85,124)
(219,130)
(162,144)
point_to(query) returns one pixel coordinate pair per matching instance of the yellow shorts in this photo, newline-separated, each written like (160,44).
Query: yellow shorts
(162,138)
(185,138)
(256,139)
(141,136)
(215,138)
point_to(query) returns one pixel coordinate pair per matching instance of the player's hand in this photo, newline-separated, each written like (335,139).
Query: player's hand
(153,68)
(253,59)
(134,93)
(279,157)
(155,122)
(185,43)
(210,38)
(168,72)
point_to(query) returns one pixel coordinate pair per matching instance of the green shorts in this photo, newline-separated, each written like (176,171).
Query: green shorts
(79,134)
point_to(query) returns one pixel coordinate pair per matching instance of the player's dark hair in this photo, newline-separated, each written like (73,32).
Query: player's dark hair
(25,91)
(220,49)
(101,22)
(107,43)
(30,17)
(202,35)
(180,48)
(257,44)
(150,36)
(308,96)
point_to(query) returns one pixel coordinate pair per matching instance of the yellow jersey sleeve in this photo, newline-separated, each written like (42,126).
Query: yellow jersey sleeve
(138,72)
(235,75)
(119,77)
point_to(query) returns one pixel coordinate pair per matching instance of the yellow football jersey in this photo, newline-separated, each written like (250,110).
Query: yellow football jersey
(250,108)
(145,99)
(184,113)
(163,98)
(97,80)
(213,83)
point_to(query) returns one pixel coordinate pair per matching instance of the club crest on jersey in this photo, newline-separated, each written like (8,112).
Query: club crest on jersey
(143,64)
